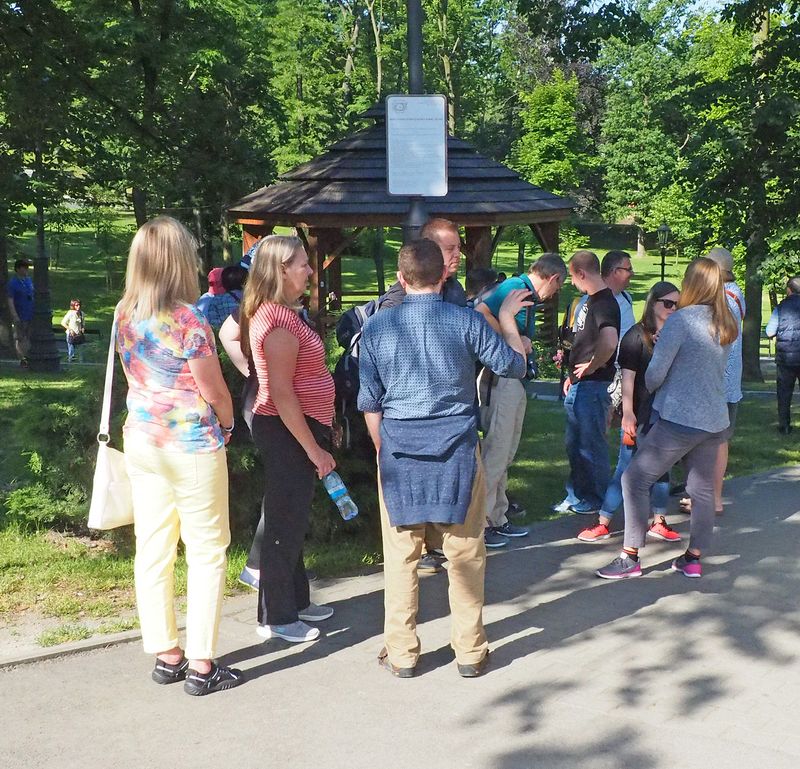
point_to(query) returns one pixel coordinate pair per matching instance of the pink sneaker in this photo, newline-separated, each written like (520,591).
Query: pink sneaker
(692,569)
(660,530)
(594,533)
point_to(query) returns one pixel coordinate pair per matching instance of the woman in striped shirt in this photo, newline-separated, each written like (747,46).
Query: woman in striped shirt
(292,419)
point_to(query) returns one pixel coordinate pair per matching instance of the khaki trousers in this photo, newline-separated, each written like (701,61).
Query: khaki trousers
(178,495)
(502,416)
(463,546)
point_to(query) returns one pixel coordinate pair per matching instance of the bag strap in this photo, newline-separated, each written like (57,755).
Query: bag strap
(105,414)
(738,302)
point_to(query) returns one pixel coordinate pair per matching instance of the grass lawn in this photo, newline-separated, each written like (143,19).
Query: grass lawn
(87,584)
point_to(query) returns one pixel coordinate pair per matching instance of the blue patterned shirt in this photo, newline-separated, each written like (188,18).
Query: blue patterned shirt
(417,360)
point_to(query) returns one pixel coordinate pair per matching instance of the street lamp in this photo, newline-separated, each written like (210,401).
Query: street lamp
(663,238)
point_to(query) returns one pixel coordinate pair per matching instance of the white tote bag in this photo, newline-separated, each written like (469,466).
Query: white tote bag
(112,502)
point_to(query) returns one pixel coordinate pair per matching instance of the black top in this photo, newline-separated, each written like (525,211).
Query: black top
(635,355)
(599,311)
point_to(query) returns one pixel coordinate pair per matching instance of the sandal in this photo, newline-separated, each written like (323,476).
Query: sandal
(167,673)
(216,680)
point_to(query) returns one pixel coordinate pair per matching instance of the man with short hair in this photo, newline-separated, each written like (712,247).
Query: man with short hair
(21,305)
(586,400)
(216,304)
(417,392)
(503,401)
(445,234)
(784,323)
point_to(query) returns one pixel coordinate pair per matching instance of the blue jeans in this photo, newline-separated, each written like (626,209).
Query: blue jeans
(70,347)
(659,494)
(587,405)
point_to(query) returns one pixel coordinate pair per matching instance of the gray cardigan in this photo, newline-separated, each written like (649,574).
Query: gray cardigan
(687,372)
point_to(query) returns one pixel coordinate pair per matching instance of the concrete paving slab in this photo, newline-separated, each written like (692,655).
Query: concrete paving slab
(585,673)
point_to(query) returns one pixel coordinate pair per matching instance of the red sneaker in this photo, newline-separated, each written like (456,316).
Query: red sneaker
(660,530)
(594,533)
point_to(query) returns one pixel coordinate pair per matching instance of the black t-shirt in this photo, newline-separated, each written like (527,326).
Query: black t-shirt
(599,311)
(635,355)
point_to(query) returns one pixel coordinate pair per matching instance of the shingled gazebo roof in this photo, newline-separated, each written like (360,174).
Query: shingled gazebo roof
(346,187)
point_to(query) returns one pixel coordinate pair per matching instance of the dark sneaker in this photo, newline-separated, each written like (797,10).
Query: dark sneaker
(515,510)
(622,567)
(315,613)
(247,577)
(216,680)
(429,564)
(475,670)
(584,508)
(165,673)
(383,661)
(492,539)
(691,569)
(509,530)
(295,632)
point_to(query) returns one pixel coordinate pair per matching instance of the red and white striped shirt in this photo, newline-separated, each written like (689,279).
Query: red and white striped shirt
(312,381)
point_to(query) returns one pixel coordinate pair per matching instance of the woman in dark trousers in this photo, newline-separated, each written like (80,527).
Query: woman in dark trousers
(292,418)
(690,416)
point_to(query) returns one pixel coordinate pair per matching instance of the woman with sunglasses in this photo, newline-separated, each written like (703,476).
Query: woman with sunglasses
(690,415)
(635,352)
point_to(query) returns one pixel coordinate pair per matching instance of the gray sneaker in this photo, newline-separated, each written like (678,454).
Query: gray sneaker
(492,539)
(314,613)
(429,564)
(295,632)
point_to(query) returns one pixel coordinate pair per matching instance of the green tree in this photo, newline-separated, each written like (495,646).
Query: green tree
(550,152)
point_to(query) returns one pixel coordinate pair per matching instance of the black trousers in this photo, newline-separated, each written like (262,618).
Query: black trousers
(786,377)
(289,477)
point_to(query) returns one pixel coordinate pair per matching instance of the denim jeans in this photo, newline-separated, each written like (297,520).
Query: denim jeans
(659,494)
(587,405)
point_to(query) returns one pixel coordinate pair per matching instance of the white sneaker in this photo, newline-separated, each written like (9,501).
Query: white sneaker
(314,613)
(562,507)
(296,632)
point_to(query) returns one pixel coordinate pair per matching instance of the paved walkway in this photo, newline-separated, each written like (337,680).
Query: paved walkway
(656,672)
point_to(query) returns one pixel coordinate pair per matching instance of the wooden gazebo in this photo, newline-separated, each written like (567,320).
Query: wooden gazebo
(345,187)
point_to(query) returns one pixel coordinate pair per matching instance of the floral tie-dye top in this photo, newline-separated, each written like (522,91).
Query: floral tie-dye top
(164,402)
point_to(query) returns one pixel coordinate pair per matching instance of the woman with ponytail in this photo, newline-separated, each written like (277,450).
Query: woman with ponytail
(690,416)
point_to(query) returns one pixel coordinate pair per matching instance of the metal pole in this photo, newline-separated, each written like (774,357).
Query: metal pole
(663,261)
(414,38)
(43,356)
(417,215)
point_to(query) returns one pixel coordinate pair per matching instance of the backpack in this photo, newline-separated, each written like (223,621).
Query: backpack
(348,333)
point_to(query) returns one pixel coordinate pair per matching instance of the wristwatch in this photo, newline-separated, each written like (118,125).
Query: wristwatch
(229,429)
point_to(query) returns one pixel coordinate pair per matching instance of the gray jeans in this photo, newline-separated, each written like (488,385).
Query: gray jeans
(666,444)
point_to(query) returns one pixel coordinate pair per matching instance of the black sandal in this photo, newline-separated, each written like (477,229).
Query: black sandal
(216,680)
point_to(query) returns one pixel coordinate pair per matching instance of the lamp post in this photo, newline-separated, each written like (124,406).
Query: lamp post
(663,239)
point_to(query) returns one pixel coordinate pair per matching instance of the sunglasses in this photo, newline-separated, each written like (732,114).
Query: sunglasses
(669,304)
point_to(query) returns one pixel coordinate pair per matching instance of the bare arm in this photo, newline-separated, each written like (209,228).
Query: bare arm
(230,336)
(484,310)
(628,417)
(12,310)
(607,342)
(208,375)
(512,304)
(280,349)
(373,420)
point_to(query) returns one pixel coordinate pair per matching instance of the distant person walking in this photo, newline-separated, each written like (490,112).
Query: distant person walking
(73,323)
(292,418)
(784,324)
(20,304)
(180,417)
(687,374)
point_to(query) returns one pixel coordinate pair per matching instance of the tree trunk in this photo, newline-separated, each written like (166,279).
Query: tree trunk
(349,63)
(139,206)
(5,314)
(376,34)
(753,288)
(641,249)
(225,237)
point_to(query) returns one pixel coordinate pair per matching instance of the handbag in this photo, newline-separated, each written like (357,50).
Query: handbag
(76,337)
(112,500)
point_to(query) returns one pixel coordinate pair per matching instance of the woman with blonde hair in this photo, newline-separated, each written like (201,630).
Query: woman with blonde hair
(690,416)
(292,418)
(180,417)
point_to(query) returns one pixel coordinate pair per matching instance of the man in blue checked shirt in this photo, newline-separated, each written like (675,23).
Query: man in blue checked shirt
(417,392)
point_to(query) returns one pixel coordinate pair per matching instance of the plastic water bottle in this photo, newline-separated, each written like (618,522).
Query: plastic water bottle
(338,492)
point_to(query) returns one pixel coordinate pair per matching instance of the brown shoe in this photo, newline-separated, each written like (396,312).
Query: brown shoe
(384,662)
(473,671)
